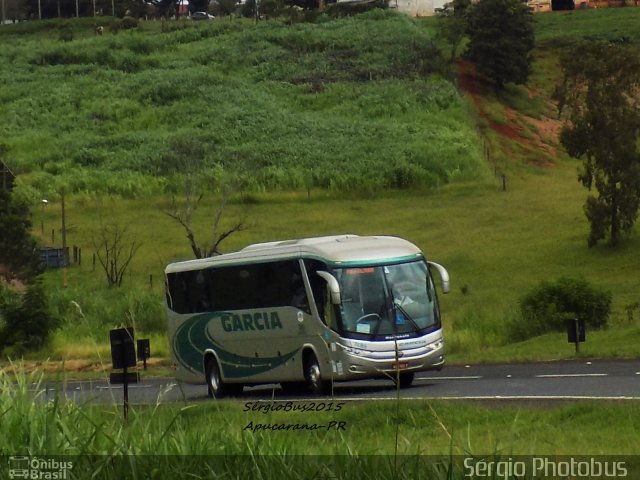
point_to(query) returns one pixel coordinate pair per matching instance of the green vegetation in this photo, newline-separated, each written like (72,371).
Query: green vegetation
(501,37)
(44,425)
(272,105)
(17,246)
(550,304)
(27,321)
(562,28)
(599,93)
(498,249)
(338,126)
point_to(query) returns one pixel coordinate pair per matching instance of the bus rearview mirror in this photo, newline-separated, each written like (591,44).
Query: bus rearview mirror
(444,276)
(334,286)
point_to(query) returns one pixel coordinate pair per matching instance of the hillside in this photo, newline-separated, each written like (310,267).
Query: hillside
(270,105)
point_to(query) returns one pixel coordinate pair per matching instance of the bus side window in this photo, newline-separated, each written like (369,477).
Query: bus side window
(198,292)
(177,286)
(262,285)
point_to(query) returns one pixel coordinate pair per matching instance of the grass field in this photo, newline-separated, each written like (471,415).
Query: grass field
(497,245)
(408,427)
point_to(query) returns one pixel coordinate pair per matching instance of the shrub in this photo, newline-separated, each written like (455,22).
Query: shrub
(145,311)
(127,23)
(548,305)
(65,33)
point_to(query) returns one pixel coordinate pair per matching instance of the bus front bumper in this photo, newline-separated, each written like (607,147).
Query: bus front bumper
(358,367)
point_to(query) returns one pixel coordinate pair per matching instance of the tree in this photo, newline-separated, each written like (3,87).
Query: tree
(199,6)
(183,214)
(14,10)
(166,8)
(28,321)
(115,251)
(600,97)
(223,8)
(452,20)
(501,38)
(18,250)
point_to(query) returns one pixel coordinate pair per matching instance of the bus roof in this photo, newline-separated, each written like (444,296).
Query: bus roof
(335,250)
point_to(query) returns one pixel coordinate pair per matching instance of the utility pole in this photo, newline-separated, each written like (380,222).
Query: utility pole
(64,241)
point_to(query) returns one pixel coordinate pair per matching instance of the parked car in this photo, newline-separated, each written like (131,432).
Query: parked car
(201,16)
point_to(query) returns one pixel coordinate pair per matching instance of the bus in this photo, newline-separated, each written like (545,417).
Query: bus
(305,313)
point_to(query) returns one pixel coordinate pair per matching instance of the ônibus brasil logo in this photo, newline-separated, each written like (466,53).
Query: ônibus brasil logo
(36,468)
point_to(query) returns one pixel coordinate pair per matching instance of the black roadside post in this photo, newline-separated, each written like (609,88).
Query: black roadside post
(123,356)
(144,351)
(576,332)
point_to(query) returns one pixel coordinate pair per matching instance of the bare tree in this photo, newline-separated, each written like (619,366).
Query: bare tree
(115,251)
(183,214)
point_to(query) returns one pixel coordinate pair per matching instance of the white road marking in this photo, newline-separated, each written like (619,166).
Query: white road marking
(469,377)
(561,375)
(109,387)
(477,397)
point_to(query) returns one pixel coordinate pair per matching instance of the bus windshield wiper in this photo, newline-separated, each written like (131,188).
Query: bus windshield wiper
(406,315)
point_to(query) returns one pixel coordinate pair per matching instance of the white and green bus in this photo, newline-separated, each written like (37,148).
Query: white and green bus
(305,312)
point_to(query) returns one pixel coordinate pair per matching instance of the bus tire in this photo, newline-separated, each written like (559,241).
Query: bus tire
(312,376)
(406,379)
(215,386)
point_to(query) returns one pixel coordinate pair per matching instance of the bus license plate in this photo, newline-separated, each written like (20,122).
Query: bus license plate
(401,365)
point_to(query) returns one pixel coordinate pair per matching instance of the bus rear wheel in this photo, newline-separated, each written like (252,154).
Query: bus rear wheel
(313,377)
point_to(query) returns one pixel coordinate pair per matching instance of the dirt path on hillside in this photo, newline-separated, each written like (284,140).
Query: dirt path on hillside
(538,134)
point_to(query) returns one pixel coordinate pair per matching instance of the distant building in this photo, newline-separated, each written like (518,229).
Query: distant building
(425,8)
(7,177)
(418,8)
(183,7)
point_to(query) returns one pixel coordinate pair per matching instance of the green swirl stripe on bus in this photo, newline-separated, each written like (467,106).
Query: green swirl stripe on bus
(193,338)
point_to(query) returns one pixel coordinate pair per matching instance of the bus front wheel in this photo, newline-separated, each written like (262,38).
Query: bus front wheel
(405,380)
(312,376)
(216,388)
(214,381)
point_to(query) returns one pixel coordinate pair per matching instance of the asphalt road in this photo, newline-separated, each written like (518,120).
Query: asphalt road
(598,380)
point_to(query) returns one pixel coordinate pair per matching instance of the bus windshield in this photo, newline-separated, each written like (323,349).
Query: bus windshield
(387,301)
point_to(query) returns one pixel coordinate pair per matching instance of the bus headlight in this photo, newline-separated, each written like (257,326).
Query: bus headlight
(437,344)
(351,351)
